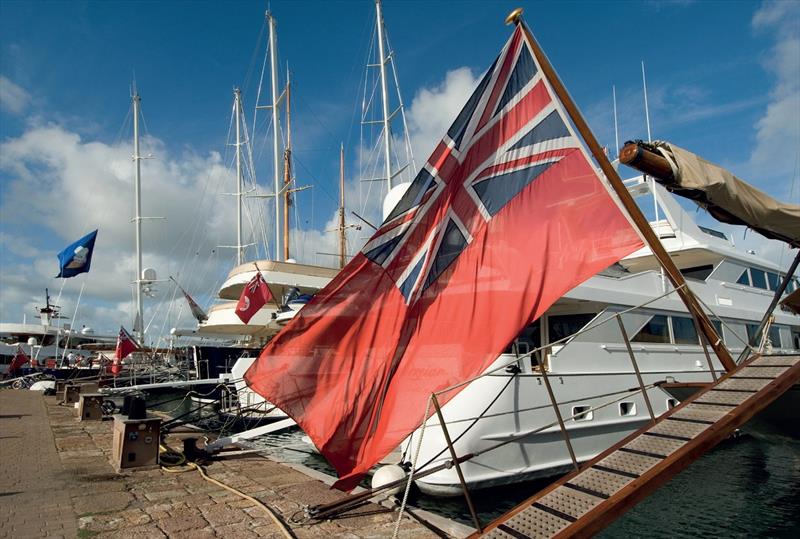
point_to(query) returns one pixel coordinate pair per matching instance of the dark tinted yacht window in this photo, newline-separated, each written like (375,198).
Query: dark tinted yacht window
(700,273)
(684,331)
(560,326)
(744,278)
(773,280)
(759,278)
(655,330)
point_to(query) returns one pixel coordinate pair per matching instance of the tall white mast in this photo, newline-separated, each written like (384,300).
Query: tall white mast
(138,324)
(387,135)
(616,127)
(237,106)
(273,64)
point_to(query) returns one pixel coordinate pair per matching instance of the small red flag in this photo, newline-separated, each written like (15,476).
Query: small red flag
(254,295)
(19,360)
(125,344)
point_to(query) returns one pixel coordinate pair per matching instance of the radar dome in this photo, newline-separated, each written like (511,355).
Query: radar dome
(149,274)
(32,341)
(393,197)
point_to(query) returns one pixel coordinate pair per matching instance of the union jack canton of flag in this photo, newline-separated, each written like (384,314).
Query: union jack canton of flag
(509,133)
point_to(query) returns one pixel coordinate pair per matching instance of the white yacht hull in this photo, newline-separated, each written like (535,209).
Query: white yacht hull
(523,417)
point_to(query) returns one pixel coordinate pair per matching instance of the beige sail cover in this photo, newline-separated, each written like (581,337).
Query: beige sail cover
(728,198)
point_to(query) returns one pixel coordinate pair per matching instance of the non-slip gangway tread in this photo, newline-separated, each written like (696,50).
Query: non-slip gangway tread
(724,397)
(708,413)
(589,499)
(761,372)
(742,384)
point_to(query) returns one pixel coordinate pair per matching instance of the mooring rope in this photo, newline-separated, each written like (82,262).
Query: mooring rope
(411,471)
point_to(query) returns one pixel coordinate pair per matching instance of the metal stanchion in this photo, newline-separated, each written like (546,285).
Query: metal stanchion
(636,368)
(457,465)
(543,371)
(703,343)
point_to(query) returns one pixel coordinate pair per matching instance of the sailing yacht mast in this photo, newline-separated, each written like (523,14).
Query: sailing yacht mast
(138,325)
(342,236)
(273,63)
(237,109)
(287,169)
(387,135)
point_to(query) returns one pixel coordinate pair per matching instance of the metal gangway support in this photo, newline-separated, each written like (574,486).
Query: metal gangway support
(584,502)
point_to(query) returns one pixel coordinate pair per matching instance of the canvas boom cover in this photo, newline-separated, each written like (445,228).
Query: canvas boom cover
(506,216)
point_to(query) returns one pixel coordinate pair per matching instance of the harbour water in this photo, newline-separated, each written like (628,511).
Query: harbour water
(748,486)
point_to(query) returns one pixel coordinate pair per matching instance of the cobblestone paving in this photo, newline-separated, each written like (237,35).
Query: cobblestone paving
(57,481)
(34,493)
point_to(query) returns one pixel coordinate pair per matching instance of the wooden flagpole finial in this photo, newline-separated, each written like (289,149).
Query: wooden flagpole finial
(514,16)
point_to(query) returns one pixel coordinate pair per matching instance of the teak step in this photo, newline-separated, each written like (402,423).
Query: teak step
(586,501)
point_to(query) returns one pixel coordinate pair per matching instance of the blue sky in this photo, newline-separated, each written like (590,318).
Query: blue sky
(723,80)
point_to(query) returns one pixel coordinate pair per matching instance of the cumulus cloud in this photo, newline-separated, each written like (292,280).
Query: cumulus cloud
(434,109)
(778,130)
(13,98)
(68,186)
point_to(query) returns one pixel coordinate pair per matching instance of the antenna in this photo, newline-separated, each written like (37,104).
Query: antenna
(646,109)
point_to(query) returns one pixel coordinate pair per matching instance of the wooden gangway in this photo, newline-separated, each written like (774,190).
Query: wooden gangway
(589,499)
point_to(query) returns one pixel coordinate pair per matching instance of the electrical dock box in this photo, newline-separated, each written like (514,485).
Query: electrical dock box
(135,443)
(72,392)
(90,407)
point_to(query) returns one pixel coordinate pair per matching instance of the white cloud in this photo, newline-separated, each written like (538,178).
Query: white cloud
(13,98)
(433,110)
(778,130)
(69,186)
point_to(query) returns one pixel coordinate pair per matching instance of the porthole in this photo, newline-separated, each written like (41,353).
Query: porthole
(627,408)
(582,413)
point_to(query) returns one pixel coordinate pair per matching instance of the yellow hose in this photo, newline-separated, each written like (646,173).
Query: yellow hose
(188,466)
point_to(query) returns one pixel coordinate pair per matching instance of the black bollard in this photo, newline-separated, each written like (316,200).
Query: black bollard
(137,408)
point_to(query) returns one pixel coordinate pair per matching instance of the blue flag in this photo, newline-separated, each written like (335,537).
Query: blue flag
(77,257)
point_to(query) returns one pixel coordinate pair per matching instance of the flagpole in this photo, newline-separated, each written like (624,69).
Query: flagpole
(639,220)
(72,322)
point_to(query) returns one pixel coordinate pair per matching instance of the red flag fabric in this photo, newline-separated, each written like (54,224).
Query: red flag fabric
(506,216)
(18,361)
(255,295)
(125,345)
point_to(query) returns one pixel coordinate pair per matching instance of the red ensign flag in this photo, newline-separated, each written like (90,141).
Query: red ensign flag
(19,360)
(254,295)
(125,345)
(506,216)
